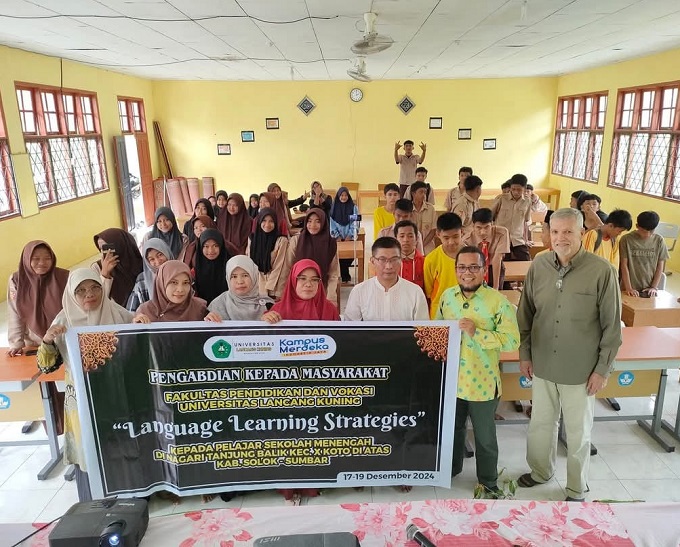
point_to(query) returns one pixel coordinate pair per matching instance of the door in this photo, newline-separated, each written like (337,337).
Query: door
(146,177)
(124,185)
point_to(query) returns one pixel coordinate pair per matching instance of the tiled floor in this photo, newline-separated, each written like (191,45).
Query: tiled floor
(629,465)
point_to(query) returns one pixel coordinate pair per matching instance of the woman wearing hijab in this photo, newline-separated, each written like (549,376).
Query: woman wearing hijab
(211,261)
(155,252)
(203,207)
(281,199)
(120,265)
(165,228)
(269,201)
(315,242)
(342,228)
(242,302)
(268,252)
(84,304)
(34,294)
(253,205)
(201,224)
(234,222)
(173,298)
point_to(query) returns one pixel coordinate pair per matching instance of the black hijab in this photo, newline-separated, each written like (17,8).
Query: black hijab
(262,243)
(174,237)
(210,275)
(189,224)
(340,211)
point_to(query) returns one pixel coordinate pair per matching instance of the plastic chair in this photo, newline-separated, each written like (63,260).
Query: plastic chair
(670,233)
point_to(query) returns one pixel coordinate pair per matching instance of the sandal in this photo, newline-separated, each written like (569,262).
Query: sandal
(527,481)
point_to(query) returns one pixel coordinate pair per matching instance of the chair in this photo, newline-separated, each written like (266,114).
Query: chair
(670,233)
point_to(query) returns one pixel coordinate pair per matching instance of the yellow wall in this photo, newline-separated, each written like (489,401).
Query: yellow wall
(662,67)
(345,141)
(68,227)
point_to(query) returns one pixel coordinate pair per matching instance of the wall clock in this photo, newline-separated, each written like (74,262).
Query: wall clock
(356,94)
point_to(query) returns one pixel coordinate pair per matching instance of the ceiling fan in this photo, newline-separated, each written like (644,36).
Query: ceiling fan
(372,42)
(359,71)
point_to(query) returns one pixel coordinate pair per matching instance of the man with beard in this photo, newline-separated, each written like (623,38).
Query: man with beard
(488,326)
(570,325)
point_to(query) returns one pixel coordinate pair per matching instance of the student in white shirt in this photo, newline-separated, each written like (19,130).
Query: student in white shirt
(386,297)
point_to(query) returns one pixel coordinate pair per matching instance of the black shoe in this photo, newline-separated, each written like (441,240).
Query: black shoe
(569,498)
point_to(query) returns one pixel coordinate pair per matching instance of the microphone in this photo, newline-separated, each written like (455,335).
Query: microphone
(412,533)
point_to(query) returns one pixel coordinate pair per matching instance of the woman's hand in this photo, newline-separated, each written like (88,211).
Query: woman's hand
(272,317)
(213,317)
(52,333)
(141,318)
(109,263)
(15,352)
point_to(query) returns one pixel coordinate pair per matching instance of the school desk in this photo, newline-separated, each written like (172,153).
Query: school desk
(673,430)
(639,370)
(662,310)
(516,270)
(536,248)
(346,250)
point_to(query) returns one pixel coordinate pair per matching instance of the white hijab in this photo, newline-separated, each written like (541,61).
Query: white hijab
(72,315)
(248,307)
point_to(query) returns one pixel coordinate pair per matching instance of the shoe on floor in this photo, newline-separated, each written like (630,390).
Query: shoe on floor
(569,498)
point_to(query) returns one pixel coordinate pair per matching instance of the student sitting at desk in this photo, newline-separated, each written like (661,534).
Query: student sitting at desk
(384,216)
(84,304)
(604,240)
(643,257)
(403,210)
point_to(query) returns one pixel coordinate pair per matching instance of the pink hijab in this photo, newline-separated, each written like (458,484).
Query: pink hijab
(160,309)
(291,306)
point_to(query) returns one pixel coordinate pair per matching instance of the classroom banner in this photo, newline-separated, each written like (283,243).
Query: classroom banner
(202,408)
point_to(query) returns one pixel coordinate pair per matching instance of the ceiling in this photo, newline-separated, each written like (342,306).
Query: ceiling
(311,39)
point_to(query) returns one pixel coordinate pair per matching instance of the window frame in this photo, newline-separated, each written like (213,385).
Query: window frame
(130,116)
(81,136)
(573,121)
(629,124)
(7,169)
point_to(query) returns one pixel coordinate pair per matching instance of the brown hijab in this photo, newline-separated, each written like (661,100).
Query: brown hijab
(283,200)
(160,309)
(321,248)
(130,263)
(39,297)
(190,252)
(236,228)
(280,209)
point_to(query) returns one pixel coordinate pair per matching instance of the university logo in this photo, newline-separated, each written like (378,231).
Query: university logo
(626,378)
(4,402)
(524,382)
(221,349)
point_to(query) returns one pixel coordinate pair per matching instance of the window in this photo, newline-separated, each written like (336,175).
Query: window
(9,201)
(646,141)
(64,142)
(579,133)
(131,114)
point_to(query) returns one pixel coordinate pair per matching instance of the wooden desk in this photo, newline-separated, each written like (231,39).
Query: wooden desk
(513,296)
(649,351)
(17,373)
(673,430)
(364,195)
(346,250)
(516,271)
(659,311)
(536,248)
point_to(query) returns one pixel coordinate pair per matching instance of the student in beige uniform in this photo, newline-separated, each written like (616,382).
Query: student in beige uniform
(403,210)
(468,203)
(456,192)
(513,211)
(424,215)
(407,163)
(267,248)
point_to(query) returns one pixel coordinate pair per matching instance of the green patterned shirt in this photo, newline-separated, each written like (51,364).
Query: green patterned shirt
(496,331)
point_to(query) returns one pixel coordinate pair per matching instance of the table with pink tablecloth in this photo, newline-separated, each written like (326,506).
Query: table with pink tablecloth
(468,523)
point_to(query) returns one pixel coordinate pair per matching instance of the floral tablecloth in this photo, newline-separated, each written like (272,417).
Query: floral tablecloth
(446,522)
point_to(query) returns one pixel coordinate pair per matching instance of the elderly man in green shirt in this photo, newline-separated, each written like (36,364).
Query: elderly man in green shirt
(489,325)
(570,325)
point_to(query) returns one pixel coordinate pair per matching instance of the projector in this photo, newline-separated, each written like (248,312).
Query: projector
(102,523)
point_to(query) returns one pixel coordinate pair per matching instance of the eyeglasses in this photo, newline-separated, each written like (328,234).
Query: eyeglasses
(474,268)
(94,290)
(311,280)
(384,261)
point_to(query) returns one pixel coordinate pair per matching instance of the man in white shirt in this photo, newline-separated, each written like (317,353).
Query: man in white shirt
(386,297)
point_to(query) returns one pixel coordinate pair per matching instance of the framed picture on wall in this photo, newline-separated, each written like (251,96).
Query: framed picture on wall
(224,149)
(465,134)
(436,123)
(271,123)
(489,144)
(248,136)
